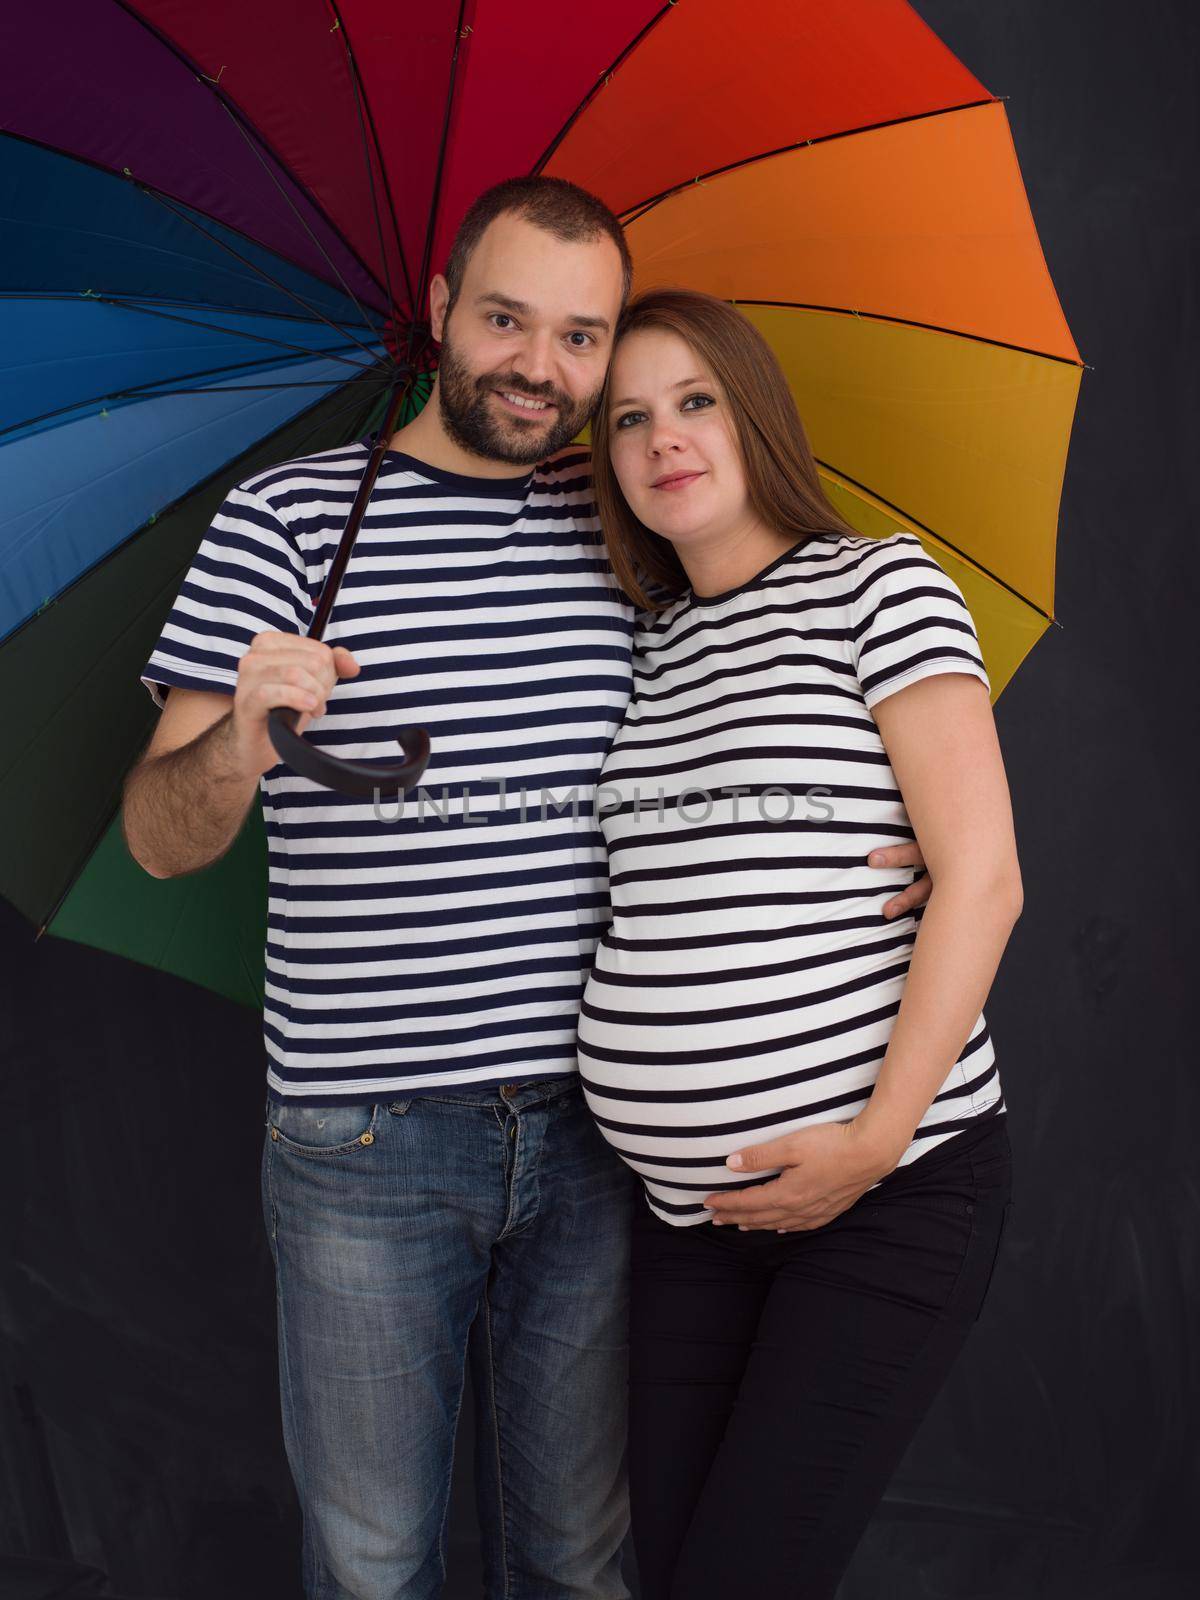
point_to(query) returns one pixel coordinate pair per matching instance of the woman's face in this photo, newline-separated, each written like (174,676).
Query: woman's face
(672,442)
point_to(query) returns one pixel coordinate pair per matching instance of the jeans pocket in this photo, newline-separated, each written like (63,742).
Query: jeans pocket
(323,1131)
(947,1185)
(992,1160)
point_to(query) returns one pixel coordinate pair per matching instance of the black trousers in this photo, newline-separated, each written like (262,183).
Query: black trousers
(777,1379)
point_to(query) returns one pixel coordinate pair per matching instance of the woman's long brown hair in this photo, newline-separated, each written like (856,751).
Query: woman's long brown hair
(781,475)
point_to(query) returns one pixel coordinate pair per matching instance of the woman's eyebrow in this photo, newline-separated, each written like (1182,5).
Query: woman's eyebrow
(682,384)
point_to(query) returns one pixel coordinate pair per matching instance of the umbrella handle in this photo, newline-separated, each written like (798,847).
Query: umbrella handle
(356,778)
(353,777)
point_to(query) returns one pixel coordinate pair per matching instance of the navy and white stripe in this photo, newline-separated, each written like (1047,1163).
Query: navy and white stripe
(749,983)
(452,947)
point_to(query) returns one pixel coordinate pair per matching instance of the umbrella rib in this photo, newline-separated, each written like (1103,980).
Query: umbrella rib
(246,388)
(635,213)
(256,338)
(84,161)
(947,544)
(150,391)
(214,88)
(601,79)
(387,379)
(313,312)
(266,166)
(909,322)
(76,871)
(331,415)
(365,119)
(134,300)
(427,251)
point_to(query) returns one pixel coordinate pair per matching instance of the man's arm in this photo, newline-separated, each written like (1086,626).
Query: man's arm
(186,798)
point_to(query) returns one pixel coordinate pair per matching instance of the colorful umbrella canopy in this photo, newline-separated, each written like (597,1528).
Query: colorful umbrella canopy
(220,223)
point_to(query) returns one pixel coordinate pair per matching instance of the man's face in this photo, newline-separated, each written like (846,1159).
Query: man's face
(525,349)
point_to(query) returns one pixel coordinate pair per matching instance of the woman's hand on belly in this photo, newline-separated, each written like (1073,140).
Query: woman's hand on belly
(826,1168)
(890,856)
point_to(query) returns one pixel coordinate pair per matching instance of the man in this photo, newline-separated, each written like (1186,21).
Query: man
(433,1186)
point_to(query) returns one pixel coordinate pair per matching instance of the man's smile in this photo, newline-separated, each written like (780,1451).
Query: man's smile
(522,404)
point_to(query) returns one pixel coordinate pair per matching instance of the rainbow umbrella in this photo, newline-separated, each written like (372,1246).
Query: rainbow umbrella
(219,226)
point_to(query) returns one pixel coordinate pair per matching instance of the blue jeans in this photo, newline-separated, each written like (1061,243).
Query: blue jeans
(405,1235)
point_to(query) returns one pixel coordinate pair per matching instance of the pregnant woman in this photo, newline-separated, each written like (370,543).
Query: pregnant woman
(808,1091)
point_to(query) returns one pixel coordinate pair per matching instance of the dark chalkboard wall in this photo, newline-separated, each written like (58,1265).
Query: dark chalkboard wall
(139,1428)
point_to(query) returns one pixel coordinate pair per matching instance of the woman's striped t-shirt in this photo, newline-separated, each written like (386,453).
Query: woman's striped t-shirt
(446,942)
(749,982)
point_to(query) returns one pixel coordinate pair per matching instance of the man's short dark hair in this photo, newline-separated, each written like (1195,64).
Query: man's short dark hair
(561,208)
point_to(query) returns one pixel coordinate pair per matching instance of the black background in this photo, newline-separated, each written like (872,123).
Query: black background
(139,1418)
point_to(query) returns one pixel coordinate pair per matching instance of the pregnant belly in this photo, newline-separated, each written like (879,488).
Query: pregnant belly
(681,1066)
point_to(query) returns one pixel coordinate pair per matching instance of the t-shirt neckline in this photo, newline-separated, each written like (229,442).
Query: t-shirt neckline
(695,599)
(465,482)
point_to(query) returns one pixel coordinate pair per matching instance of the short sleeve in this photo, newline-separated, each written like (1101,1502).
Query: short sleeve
(248,576)
(909,620)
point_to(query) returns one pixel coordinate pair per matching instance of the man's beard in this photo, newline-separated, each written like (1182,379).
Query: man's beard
(471,420)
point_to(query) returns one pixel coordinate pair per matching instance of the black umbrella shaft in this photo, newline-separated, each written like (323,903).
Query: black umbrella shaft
(357,511)
(359,779)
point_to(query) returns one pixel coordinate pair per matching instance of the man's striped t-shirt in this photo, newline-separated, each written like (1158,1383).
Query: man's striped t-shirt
(749,983)
(444,940)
